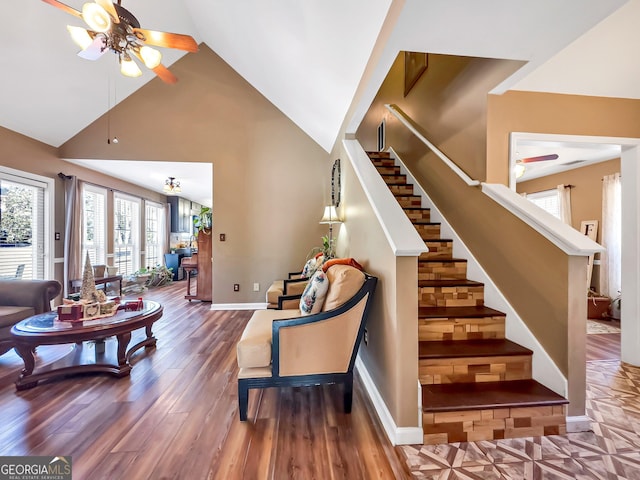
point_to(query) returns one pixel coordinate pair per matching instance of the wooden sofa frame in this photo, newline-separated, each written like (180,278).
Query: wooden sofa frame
(346,378)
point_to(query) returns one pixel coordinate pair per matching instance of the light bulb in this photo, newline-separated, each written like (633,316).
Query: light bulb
(96,17)
(129,68)
(150,56)
(80,36)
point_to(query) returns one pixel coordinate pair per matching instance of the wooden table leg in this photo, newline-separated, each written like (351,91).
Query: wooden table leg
(28,356)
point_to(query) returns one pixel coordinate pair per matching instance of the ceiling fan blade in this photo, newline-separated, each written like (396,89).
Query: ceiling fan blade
(165,75)
(95,50)
(165,39)
(161,71)
(64,7)
(540,158)
(111,10)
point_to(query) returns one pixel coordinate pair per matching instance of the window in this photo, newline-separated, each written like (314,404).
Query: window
(548,200)
(94,223)
(23,221)
(154,233)
(126,248)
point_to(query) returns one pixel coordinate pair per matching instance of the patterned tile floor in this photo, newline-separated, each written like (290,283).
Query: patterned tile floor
(611,451)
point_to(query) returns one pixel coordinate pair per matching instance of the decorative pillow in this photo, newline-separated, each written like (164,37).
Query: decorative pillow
(313,296)
(312,265)
(345,281)
(341,261)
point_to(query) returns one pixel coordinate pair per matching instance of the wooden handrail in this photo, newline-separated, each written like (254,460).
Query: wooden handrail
(407,122)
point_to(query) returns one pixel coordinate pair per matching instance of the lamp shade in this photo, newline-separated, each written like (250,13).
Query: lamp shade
(129,68)
(80,36)
(150,56)
(330,215)
(96,17)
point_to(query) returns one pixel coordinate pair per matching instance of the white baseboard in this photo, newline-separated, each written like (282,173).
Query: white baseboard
(580,423)
(238,306)
(396,435)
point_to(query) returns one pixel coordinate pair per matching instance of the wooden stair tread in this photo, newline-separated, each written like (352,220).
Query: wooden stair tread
(498,347)
(441,260)
(477,311)
(449,397)
(462,282)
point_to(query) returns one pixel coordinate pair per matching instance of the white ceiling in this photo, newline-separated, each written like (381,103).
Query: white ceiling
(309,58)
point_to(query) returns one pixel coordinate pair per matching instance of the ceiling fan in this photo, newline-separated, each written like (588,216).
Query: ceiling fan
(114,28)
(520,168)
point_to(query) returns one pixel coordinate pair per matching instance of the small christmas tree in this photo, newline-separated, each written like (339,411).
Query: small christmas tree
(88,291)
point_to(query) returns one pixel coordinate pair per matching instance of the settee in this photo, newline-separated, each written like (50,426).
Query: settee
(20,299)
(280,348)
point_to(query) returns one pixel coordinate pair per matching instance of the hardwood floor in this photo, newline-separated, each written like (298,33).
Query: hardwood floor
(176,416)
(604,346)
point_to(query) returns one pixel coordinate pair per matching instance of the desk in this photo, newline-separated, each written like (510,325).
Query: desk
(76,285)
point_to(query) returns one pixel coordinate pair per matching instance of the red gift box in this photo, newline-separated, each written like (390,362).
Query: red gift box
(71,313)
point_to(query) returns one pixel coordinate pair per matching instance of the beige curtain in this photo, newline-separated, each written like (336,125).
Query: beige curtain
(611,259)
(72,230)
(564,194)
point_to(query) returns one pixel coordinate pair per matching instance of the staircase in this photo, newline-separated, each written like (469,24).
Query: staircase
(476,384)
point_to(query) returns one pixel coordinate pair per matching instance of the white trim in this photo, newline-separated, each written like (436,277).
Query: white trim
(398,229)
(58,260)
(566,238)
(239,306)
(406,121)
(545,370)
(580,423)
(396,435)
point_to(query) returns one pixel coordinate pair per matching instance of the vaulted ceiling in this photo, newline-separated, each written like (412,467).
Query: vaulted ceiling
(316,59)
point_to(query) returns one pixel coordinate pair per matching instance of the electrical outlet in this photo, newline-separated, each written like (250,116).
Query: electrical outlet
(236,287)
(223,237)
(366,336)
(256,287)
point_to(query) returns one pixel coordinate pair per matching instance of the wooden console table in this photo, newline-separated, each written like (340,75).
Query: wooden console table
(76,285)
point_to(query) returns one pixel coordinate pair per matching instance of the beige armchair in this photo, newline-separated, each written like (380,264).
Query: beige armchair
(283,348)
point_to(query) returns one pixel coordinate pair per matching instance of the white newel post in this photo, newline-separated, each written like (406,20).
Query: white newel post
(630,311)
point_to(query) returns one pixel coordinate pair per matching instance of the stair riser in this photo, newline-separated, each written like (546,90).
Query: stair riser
(428,232)
(437,250)
(451,296)
(448,329)
(373,155)
(407,202)
(418,215)
(493,424)
(474,369)
(388,170)
(401,189)
(384,162)
(442,270)
(395,179)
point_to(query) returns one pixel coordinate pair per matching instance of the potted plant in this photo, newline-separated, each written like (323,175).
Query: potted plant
(204,221)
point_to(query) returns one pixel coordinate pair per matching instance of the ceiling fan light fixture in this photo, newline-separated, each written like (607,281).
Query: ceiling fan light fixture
(128,67)
(150,56)
(80,36)
(96,17)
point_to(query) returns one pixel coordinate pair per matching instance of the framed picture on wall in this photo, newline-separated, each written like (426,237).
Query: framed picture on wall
(415,64)
(381,136)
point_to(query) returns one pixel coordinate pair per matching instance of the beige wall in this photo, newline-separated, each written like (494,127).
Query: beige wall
(552,113)
(270,180)
(586,195)
(391,353)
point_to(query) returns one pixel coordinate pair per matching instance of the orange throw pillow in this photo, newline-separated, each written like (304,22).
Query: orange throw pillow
(341,261)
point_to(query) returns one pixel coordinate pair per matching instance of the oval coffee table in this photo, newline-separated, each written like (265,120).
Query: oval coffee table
(106,355)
